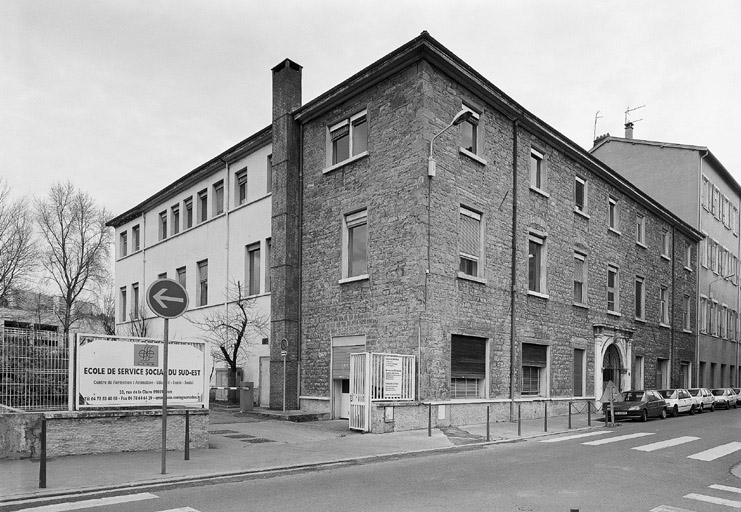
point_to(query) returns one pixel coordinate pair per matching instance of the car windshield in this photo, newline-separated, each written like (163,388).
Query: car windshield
(666,393)
(694,392)
(633,396)
(718,392)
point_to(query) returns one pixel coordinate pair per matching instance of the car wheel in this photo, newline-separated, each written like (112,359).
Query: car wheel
(644,415)
(663,414)
(675,412)
(692,410)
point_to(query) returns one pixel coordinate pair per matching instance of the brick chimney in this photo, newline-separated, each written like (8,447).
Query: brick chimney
(628,130)
(285,237)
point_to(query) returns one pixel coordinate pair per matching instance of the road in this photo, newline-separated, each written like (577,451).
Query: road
(661,466)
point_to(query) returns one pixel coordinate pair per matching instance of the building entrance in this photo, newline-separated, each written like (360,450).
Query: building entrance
(612,368)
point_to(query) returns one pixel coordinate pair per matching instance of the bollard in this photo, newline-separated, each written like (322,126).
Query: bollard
(589,414)
(569,415)
(187,435)
(519,419)
(429,420)
(42,456)
(488,437)
(545,417)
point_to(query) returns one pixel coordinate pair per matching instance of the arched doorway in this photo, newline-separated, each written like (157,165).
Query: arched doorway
(612,367)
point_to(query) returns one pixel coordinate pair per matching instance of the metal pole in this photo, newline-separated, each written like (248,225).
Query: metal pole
(187,434)
(545,417)
(164,398)
(429,420)
(589,413)
(42,456)
(569,415)
(519,419)
(284,383)
(488,437)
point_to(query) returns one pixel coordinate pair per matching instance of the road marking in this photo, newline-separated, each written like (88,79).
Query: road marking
(181,509)
(576,436)
(725,488)
(618,438)
(97,502)
(665,444)
(717,452)
(713,499)
(667,508)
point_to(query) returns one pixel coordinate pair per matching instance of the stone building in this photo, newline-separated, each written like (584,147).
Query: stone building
(416,209)
(705,195)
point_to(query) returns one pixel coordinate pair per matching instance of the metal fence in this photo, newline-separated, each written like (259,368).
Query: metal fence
(34,369)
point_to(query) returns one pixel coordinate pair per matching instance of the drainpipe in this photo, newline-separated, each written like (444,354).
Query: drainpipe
(697,293)
(513,263)
(671,312)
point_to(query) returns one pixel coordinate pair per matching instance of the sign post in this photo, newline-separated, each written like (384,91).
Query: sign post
(283,354)
(167,299)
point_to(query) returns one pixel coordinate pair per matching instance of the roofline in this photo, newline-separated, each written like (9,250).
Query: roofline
(248,145)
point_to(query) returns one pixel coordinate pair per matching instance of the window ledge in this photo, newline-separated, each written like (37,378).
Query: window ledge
(614,313)
(641,320)
(614,231)
(581,305)
(345,162)
(468,277)
(689,269)
(361,277)
(538,294)
(686,331)
(582,213)
(665,326)
(665,257)
(642,245)
(539,191)
(472,156)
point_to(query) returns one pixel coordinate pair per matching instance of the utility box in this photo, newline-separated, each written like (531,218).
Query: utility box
(246,396)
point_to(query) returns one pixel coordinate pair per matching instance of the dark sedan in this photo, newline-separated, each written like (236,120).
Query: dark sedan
(641,404)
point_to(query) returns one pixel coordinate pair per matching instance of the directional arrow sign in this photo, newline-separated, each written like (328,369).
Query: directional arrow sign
(167,298)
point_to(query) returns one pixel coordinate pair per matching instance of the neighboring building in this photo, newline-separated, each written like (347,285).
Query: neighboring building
(509,269)
(694,184)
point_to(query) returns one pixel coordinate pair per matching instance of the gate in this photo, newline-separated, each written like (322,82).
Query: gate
(375,378)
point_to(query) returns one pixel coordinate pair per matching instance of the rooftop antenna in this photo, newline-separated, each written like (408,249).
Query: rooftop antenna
(596,116)
(629,110)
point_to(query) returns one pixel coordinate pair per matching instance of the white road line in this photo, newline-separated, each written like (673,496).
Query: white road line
(181,509)
(97,502)
(667,508)
(725,488)
(717,452)
(665,444)
(618,438)
(576,436)
(713,499)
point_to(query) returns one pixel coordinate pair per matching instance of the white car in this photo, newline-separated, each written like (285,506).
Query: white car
(704,399)
(678,400)
(725,397)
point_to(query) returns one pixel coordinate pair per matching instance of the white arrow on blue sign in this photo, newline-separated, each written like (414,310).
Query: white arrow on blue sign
(167,298)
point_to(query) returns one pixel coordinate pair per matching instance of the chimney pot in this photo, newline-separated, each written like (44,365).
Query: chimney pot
(628,130)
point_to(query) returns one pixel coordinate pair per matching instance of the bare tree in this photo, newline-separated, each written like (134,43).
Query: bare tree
(228,329)
(17,249)
(76,244)
(139,325)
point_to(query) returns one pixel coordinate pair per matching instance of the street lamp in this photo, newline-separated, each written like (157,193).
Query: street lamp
(462,116)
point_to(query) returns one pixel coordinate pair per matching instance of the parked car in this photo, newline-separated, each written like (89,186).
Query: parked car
(639,404)
(704,399)
(678,400)
(725,397)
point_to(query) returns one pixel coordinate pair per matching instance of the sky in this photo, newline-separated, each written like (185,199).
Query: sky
(124,97)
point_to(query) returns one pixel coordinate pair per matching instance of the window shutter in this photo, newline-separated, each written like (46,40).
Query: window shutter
(534,355)
(469,235)
(467,357)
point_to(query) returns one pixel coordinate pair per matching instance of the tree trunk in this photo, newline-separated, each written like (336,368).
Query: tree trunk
(233,394)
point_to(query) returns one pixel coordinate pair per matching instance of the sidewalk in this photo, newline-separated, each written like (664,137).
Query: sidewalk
(243,444)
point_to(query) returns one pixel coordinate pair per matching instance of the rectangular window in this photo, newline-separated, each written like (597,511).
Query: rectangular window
(268,250)
(716,202)
(638,373)
(163,225)
(467,367)
(704,193)
(122,303)
(269,171)
(202,291)
(640,229)
(688,256)
(123,244)
(188,213)
(580,194)
(663,306)
(470,132)
(536,263)
(135,238)
(613,214)
(218,207)
(469,241)
(702,321)
(135,301)
(662,373)
(534,366)
(686,313)
(723,321)
(734,220)
(355,254)
(537,170)
(640,298)
(175,219)
(580,278)
(710,317)
(181,276)
(253,269)
(666,242)
(579,375)
(241,191)
(202,206)
(349,137)
(613,290)
(724,210)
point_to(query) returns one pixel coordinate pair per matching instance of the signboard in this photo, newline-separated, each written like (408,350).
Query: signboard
(392,376)
(125,372)
(611,393)
(167,298)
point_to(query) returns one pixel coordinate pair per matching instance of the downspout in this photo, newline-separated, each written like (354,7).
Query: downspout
(671,318)
(697,292)
(227,188)
(299,334)
(513,263)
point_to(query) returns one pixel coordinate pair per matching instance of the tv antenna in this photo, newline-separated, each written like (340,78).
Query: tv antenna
(596,116)
(629,110)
